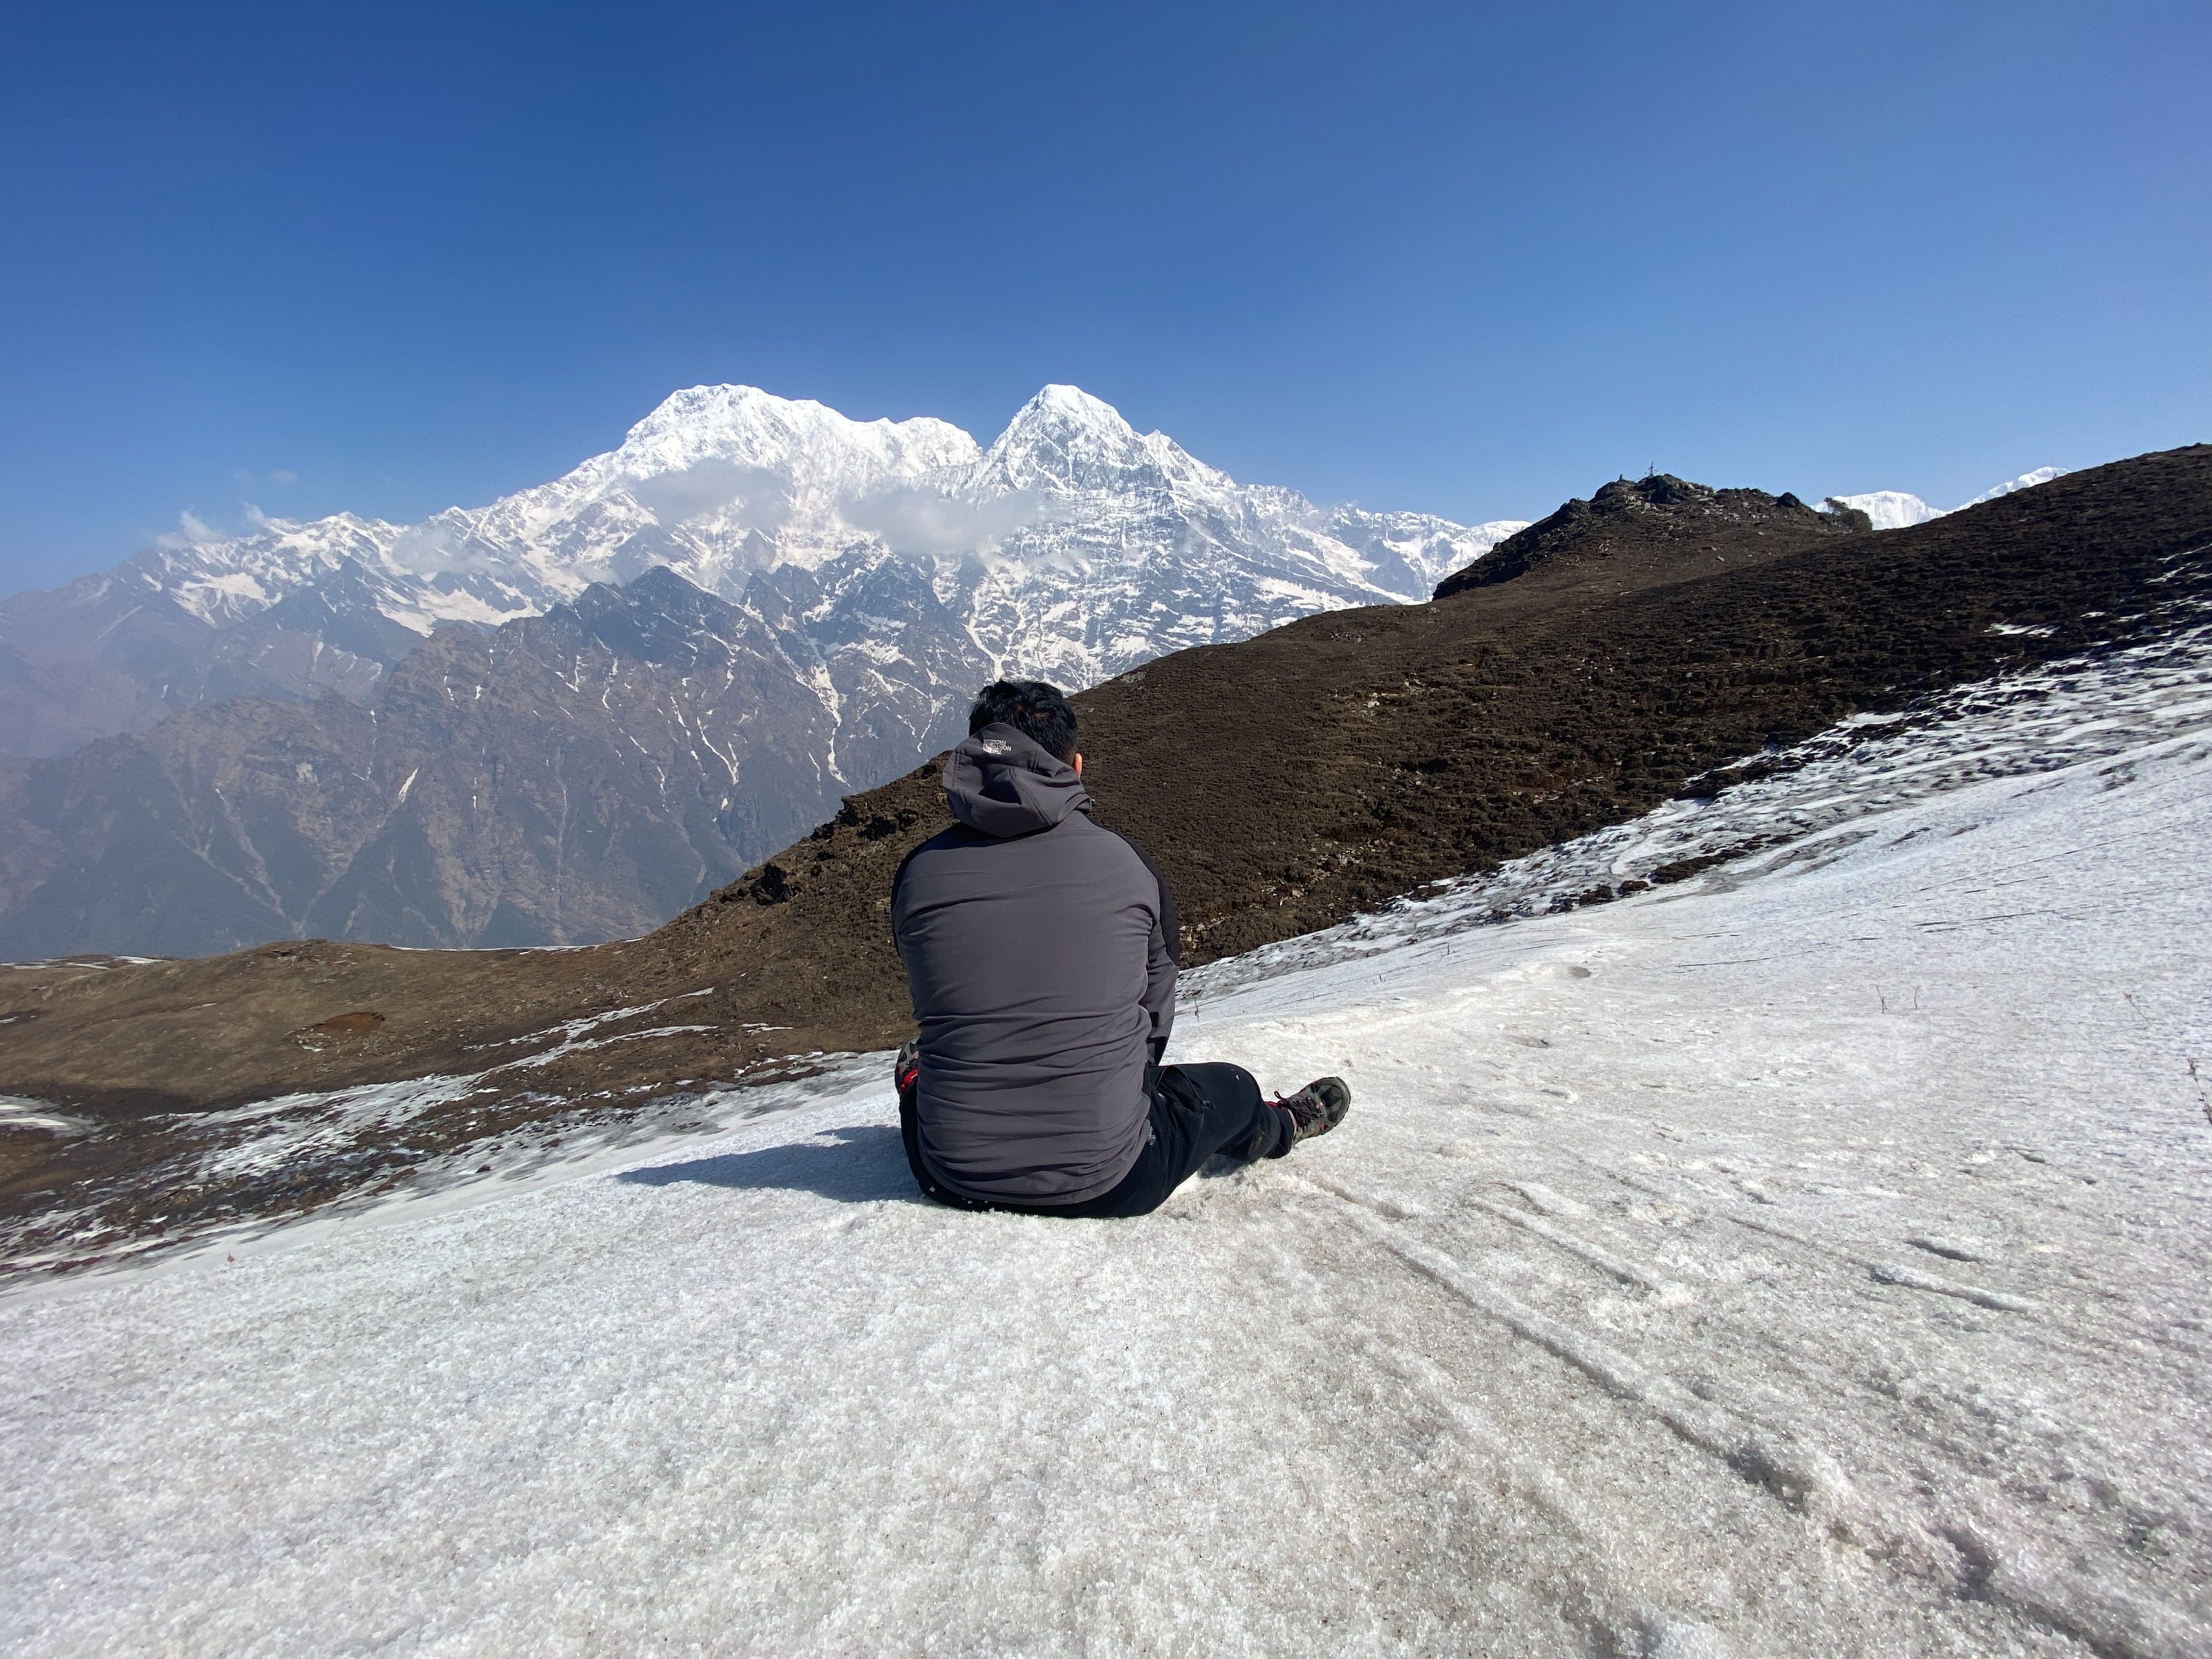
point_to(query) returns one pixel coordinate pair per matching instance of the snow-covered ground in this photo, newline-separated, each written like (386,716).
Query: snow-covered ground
(1806,1258)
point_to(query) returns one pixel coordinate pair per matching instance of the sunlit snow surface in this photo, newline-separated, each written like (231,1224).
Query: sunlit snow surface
(1809,1257)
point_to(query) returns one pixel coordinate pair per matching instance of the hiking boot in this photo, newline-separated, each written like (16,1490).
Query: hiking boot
(907,1066)
(1316,1108)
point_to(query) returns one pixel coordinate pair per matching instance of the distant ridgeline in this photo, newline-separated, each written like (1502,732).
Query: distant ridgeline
(1658,522)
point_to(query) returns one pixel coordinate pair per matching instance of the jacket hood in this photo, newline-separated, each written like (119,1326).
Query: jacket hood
(1003,784)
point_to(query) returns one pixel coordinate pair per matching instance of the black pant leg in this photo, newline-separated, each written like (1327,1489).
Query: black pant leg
(1197,1111)
(1233,1117)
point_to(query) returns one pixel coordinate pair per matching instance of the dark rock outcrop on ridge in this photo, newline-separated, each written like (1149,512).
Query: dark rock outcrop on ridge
(1629,532)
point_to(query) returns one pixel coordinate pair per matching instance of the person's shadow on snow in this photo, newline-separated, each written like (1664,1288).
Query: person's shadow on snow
(861,1164)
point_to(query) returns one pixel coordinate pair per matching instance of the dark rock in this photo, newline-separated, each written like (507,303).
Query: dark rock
(1657,525)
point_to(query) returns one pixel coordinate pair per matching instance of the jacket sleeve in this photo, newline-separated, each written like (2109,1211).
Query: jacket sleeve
(1163,956)
(898,882)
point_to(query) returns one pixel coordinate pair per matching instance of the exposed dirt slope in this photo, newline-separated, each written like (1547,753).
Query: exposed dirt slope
(1284,783)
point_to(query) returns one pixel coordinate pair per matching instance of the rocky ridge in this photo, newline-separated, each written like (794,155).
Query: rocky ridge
(1628,531)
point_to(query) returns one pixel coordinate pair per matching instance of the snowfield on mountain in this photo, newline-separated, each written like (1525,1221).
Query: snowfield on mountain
(1806,1257)
(1073,548)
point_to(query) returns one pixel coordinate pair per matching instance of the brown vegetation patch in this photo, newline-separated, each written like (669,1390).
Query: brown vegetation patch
(346,1024)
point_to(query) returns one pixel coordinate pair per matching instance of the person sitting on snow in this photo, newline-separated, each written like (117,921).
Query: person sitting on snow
(1040,952)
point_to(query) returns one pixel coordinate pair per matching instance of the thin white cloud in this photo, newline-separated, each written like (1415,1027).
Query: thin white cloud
(429,550)
(191,530)
(927,521)
(761,499)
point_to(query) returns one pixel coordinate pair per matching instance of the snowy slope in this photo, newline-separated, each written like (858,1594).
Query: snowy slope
(1805,1258)
(1894,509)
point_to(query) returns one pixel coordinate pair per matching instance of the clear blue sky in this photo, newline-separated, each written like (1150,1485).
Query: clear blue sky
(1468,259)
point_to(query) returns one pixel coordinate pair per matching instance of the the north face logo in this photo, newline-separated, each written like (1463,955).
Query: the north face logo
(992,746)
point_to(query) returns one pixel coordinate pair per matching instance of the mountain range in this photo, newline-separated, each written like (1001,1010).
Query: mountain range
(562,717)
(1072,547)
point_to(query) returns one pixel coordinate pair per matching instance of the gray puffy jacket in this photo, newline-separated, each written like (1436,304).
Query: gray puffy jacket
(1040,952)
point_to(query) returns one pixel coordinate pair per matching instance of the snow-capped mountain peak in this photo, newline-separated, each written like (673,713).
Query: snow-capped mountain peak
(2042,475)
(1895,509)
(799,440)
(721,481)
(225,581)
(1064,441)
(1073,548)
(1890,509)
(1062,405)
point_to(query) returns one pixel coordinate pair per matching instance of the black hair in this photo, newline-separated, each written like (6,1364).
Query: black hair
(1039,712)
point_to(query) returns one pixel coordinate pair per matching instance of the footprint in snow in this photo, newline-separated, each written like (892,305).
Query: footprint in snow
(1666,1637)
(1951,1249)
(1544,1199)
